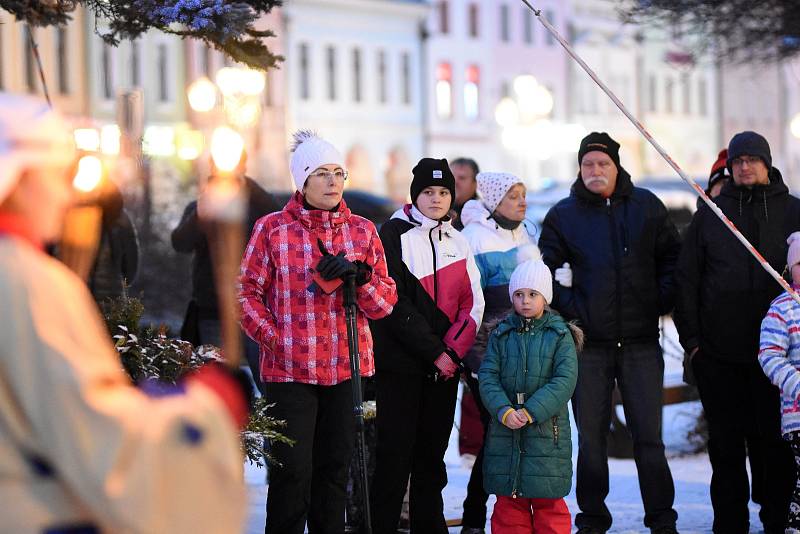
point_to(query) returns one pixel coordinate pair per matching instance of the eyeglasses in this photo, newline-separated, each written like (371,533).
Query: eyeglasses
(750,160)
(338,174)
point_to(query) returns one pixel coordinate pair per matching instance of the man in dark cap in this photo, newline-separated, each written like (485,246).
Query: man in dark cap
(613,249)
(723,295)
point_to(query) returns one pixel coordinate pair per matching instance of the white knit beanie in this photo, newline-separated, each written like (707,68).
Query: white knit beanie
(493,186)
(310,152)
(31,135)
(793,256)
(531,273)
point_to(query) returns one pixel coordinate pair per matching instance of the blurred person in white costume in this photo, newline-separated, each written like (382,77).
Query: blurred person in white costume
(81,448)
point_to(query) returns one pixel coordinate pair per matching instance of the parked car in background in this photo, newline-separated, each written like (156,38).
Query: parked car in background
(374,207)
(679,199)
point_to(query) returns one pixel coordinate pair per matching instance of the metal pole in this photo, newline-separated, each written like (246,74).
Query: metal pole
(699,190)
(358,401)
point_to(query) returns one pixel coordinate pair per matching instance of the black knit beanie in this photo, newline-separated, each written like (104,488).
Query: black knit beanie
(430,172)
(749,144)
(599,142)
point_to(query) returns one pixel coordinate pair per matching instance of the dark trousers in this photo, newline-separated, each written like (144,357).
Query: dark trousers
(414,420)
(742,406)
(310,484)
(475,502)
(793,520)
(638,370)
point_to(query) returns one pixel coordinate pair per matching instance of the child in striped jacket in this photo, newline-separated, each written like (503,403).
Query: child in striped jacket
(779,356)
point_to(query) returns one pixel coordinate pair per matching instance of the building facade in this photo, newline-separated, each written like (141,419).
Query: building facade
(352,69)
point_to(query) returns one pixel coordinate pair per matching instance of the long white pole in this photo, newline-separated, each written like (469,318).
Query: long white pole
(686,178)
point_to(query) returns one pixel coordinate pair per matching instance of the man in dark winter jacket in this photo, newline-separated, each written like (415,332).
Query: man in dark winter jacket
(723,295)
(190,237)
(613,250)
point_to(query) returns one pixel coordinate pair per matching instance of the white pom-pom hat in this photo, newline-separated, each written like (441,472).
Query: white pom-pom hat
(531,273)
(310,152)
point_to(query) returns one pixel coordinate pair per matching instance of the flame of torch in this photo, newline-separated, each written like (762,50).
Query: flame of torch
(222,206)
(80,238)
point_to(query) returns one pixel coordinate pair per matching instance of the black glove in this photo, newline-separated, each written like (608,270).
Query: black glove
(363,272)
(330,266)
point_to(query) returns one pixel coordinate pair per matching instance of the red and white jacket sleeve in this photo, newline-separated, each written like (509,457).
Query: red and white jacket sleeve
(461,334)
(255,277)
(378,296)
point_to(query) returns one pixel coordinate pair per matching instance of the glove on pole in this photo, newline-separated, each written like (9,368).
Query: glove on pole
(699,190)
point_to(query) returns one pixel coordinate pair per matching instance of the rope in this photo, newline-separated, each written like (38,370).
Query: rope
(697,189)
(35,49)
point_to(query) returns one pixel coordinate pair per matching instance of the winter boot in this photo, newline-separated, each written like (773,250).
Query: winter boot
(590,530)
(473,530)
(664,530)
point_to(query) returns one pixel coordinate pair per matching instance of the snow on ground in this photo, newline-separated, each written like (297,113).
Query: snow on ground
(691,473)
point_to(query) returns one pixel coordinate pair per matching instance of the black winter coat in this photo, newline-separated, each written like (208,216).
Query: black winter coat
(724,292)
(622,251)
(190,237)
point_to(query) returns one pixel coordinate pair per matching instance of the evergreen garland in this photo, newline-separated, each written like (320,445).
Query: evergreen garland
(228,26)
(147,354)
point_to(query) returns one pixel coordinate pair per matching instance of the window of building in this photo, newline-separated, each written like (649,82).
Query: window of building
(63,60)
(652,94)
(331,63)
(356,75)
(527,25)
(504,23)
(686,85)
(669,90)
(208,61)
(406,77)
(382,89)
(444,17)
(444,90)
(107,74)
(30,67)
(472,93)
(702,102)
(473,16)
(551,18)
(305,89)
(136,64)
(163,73)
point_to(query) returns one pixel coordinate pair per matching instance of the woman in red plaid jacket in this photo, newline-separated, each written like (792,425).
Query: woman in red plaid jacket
(300,327)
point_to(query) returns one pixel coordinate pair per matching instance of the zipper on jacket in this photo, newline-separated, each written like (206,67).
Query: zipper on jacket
(435,268)
(463,326)
(618,271)
(555,430)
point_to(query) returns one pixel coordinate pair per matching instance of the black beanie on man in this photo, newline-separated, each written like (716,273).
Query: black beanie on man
(599,142)
(428,172)
(749,144)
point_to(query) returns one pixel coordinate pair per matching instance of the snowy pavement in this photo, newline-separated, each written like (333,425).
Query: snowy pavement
(692,474)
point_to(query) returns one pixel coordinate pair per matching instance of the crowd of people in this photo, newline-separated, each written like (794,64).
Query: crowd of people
(451,287)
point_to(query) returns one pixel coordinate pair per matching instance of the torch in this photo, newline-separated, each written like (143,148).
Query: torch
(221,208)
(80,238)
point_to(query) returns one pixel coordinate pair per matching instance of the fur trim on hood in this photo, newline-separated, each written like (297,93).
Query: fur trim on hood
(482,338)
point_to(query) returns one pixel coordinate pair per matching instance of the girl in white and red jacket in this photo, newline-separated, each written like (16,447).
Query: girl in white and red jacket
(419,350)
(299,322)
(779,356)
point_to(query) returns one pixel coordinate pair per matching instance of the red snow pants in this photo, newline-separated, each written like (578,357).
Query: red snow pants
(531,516)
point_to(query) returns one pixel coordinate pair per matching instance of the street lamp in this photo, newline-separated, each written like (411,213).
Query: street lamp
(794,126)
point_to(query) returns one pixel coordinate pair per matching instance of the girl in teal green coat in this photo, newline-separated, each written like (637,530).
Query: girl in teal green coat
(526,380)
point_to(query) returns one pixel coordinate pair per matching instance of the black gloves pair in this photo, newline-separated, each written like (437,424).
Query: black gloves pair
(331,267)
